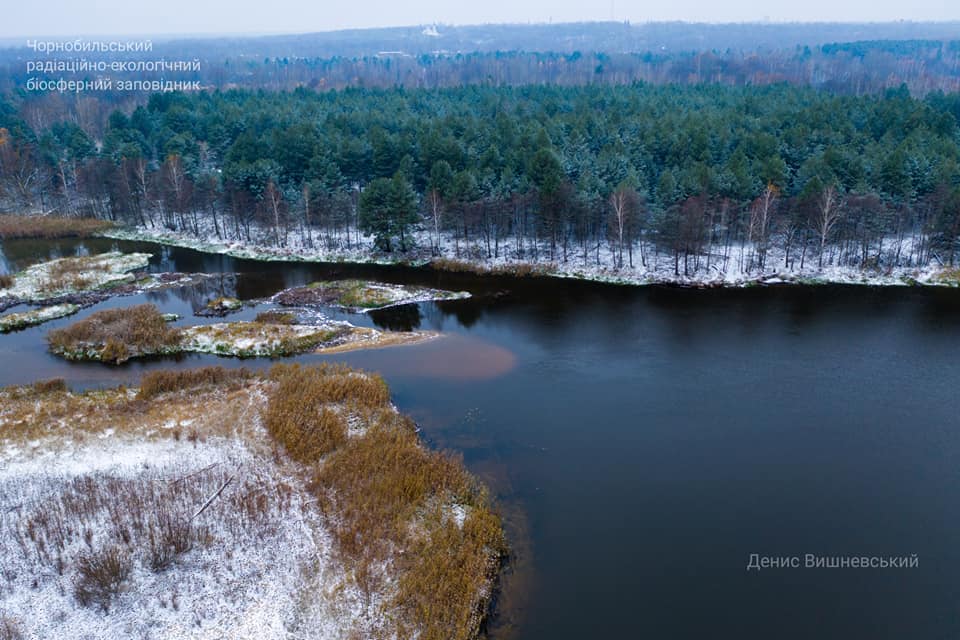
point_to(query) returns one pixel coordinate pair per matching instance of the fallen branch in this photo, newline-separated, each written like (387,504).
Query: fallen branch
(198,472)
(212,498)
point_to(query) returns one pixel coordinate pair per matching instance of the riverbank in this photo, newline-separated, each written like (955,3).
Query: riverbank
(214,502)
(721,270)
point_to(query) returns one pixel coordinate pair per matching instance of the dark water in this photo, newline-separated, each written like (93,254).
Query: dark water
(643,442)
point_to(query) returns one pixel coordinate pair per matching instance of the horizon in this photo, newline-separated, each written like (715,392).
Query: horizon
(182,18)
(170,36)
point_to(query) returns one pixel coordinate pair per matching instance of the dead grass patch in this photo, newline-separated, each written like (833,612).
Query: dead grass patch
(514,269)
(389,499)
(274,316)
(26,226)
(154,383)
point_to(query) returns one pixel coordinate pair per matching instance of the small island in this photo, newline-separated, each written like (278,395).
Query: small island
(117,335)
(361,295)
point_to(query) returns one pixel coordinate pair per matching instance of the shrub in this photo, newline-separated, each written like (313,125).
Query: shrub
(6,281)
(99,576)
(174,538)
(116,334)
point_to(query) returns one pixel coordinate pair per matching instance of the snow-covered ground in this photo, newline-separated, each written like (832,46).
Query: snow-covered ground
(726,266)
(64,276)
(11,321)
(259,565)
(362,296)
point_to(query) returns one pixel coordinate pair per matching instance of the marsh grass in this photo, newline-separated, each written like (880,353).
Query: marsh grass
(258,339)
(515,269)
(115,335)
(27,226)
(155,383)
(388,499)
(274,316)
(51,385)
(70,274)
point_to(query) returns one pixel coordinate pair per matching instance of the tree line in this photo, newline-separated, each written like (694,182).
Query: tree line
(566,174)
(853,67)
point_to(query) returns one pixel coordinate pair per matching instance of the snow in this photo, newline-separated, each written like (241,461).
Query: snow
(276,579)
(102,271)
(728,266)
(248,338)
(378,295)
(13,321)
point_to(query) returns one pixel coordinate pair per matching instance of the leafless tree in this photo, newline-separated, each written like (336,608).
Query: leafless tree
(829,213)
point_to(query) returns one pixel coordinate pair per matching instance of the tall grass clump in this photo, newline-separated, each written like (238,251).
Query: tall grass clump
(100,575)
(115,335)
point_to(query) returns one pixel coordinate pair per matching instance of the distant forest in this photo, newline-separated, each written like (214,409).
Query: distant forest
(541,172)
(844,58)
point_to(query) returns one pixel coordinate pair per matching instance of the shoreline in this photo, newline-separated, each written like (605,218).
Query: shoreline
(929,275)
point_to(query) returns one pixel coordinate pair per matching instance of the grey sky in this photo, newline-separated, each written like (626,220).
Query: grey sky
(72,17)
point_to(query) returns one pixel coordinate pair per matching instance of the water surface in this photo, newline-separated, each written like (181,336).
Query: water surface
(643,442)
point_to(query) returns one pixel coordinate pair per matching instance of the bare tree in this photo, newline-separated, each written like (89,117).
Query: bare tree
(624,208)
(758,232)
(274,199)
(829,212)
(436,214)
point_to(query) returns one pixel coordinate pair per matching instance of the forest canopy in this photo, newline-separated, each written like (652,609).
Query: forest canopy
(492,162)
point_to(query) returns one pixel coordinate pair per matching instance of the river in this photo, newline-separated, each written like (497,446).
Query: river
(642,443)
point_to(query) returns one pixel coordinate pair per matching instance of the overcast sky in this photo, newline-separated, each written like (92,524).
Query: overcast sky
(19,18)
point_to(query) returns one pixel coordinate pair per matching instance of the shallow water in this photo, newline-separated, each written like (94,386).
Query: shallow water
(643,442)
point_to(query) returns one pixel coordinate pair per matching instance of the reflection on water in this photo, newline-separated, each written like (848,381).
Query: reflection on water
(642,442)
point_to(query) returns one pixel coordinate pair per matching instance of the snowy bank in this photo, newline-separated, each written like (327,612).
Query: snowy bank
(719,266)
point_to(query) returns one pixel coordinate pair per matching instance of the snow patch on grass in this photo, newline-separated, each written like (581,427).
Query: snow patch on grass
(65,276)
(216,537)
(13,321)
(362,296)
